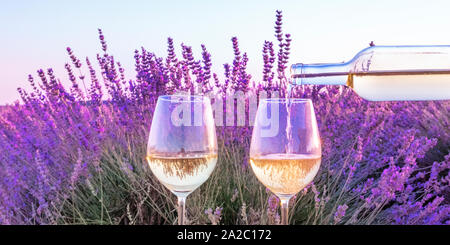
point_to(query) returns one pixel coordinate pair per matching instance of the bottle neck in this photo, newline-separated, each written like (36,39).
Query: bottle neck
(320,74)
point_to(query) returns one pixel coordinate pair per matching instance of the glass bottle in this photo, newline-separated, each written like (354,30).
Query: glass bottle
(386,73)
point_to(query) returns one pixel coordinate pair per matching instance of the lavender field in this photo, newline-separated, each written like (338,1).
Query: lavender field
(76,155)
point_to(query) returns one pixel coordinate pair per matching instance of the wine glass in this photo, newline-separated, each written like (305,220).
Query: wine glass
(182,146)
(285,151)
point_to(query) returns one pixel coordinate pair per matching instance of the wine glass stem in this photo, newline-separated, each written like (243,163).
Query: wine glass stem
(285,210)
(181,209)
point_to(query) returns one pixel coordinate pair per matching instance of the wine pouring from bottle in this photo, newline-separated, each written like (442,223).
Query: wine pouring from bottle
(385,73)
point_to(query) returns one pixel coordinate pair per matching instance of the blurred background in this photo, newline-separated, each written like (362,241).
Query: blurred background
(35,34)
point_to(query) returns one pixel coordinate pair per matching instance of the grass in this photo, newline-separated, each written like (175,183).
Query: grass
(124,191)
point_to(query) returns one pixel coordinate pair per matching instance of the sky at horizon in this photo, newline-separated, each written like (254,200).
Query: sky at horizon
(35,34)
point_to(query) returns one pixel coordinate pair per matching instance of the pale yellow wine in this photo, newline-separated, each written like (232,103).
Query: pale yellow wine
(413,85)
(183,173)
(286,174)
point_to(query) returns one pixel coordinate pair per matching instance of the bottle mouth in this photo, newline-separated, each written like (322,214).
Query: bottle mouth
(296,71)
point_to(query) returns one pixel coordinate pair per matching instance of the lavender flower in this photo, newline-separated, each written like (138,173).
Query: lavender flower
(340,213)
(388,161)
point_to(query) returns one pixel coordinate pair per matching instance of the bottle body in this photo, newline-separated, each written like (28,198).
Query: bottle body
(386,73)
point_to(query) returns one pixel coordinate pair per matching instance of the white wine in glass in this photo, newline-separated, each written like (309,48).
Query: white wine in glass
(182,173)
(285,151)
(285,174)
(182,146)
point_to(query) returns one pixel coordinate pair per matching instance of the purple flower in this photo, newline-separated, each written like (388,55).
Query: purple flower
(388,160)
(340,213)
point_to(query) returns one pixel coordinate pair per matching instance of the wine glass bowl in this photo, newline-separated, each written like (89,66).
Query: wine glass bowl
(182,146)
(285,151)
